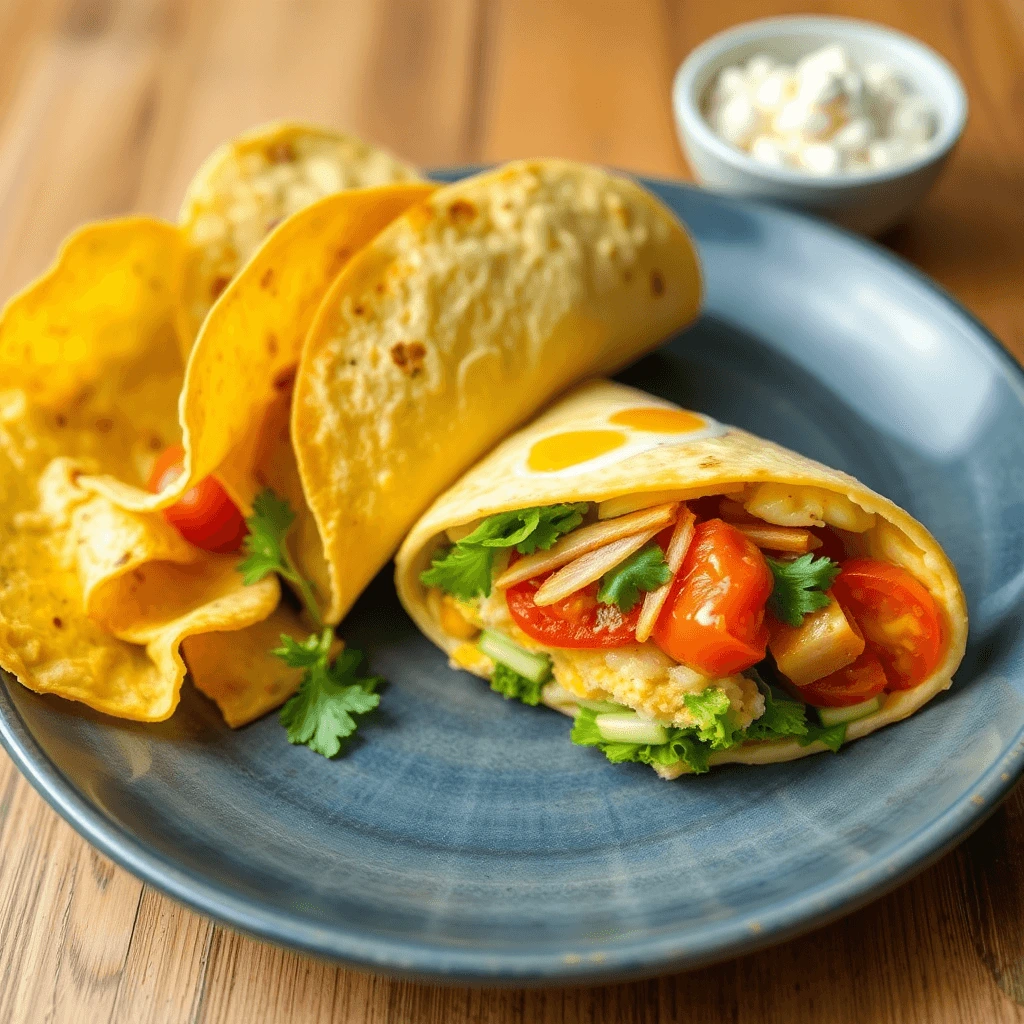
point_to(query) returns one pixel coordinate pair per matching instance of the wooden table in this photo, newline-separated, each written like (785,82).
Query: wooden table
(107,106)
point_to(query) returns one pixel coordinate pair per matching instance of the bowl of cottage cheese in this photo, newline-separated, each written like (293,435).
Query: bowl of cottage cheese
(843,118)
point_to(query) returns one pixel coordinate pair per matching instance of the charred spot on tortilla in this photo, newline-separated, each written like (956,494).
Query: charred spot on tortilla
(123,560)
(281,153)
(218,284)
(461,211)
(58,622)
(267,278)
(657,283)
(61,420)
(285,379)
(104,424)
(272,344)
(709,462)
(358,309)
(408,357)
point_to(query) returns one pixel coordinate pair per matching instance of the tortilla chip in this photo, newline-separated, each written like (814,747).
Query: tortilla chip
(91,355)
(249,345)
(460,320)
(112,283)
(256,181)
(239,672)
(47,637)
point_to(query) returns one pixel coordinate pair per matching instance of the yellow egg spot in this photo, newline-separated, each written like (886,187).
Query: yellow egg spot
(560,451)
(660,421)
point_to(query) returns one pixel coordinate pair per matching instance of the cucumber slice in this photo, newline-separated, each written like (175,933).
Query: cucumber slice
(498,647)
(629,727)
(559,697)
(836,716)
(603,707)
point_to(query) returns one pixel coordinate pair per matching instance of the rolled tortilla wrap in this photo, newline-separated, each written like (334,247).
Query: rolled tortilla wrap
(605,441)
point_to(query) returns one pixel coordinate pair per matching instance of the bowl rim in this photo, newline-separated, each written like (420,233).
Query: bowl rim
(692,121)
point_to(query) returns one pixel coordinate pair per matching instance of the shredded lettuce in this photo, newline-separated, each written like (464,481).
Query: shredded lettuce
(682,745)
(833,736)
(715,724)
(511,685)
(715,730)
(781,717)
(464,569)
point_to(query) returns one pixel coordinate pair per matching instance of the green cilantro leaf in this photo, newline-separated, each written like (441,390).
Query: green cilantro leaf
(554,521)
(464,569)
(800,586)
(304,653)
(266,551)
(511,684)
(833,736)
(504,530)
(319,714)
(264,543)
(461,571)
(645,569)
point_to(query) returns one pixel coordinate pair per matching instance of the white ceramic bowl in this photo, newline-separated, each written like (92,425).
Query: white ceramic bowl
(869,202)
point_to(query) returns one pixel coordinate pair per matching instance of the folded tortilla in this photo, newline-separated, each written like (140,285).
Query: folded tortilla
(98,593)
(250,185)
(572,454)
(455,324)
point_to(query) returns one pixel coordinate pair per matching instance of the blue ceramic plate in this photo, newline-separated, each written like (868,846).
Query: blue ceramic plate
(464,837)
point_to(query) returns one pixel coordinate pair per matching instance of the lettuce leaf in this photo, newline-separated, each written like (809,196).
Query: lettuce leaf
(511,685)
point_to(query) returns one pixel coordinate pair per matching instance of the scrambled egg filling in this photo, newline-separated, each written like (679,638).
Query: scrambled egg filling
(639,676)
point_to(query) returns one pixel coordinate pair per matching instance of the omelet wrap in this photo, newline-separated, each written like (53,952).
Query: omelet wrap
(100,373)
(456,323)
(604,442)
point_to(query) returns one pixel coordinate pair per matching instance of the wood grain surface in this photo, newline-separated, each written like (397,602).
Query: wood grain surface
(108,106)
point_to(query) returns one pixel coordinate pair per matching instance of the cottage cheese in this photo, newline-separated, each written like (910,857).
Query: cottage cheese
(824,115)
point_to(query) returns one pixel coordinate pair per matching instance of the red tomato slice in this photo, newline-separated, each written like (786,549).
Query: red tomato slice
(857,682)
(713,618)
(898,617)
(578,621)
(204,515)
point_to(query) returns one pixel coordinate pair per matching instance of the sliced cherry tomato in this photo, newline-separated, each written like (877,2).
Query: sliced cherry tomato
(898,617)
(577,621)
(204,515)
(713,618)
(857,682)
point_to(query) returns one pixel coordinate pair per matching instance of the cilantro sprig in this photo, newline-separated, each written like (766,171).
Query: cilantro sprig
(800,586)
(464,569)
(320,712)
(267,552)
(645,569)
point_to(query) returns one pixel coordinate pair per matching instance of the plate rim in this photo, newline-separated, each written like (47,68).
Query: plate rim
(630,959)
